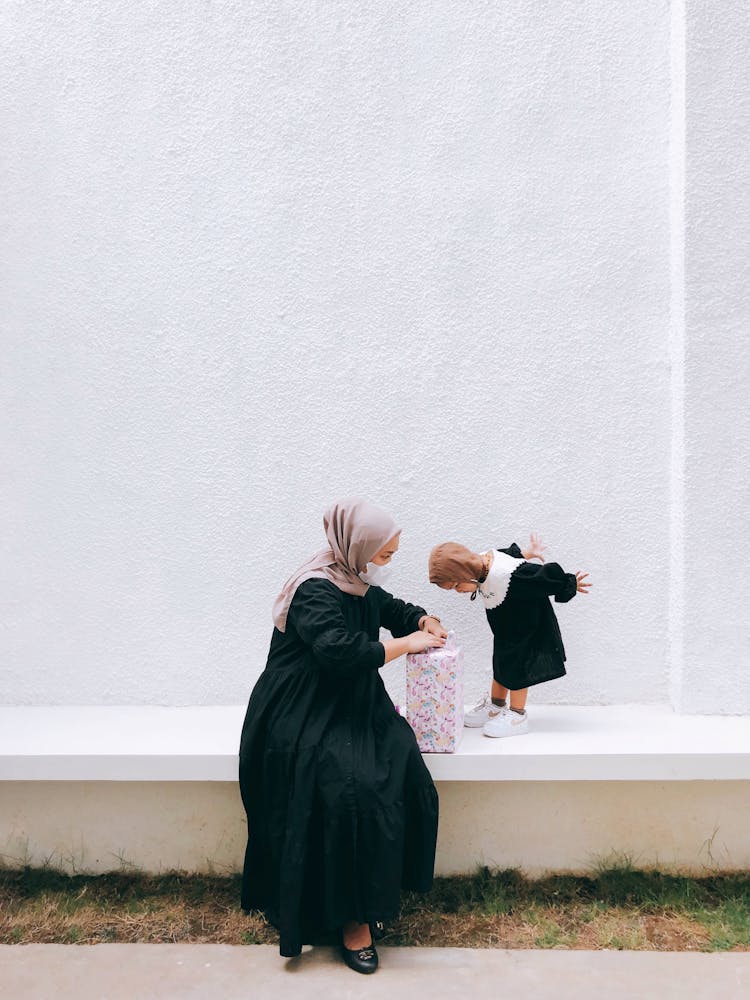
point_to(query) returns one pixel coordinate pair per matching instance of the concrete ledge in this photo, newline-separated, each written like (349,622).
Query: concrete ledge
(199,826)
(567,743)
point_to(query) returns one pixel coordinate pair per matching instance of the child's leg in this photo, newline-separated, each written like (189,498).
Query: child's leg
(499,694)
(518,699)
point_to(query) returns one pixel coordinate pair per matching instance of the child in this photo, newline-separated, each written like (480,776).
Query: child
(527,647)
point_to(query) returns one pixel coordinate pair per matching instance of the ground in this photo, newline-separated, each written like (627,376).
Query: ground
(613,908)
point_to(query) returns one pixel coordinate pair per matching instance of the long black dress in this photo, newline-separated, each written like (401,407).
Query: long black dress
(341,810)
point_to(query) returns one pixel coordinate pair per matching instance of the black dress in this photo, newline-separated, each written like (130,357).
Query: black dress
(341,809)
(527,645)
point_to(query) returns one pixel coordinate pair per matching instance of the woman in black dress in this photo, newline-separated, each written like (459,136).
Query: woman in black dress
(341,810)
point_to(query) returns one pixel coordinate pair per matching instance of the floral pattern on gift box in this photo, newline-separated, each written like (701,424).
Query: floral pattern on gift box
(435,697)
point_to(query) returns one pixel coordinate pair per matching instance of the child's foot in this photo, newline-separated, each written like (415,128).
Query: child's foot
(482,712)
(510,723)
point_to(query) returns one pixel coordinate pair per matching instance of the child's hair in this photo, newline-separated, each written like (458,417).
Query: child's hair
(454,563)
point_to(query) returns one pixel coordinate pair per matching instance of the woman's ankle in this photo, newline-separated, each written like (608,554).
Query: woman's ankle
(356,935)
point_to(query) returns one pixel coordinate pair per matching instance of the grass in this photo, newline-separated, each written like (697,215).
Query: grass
(615,906)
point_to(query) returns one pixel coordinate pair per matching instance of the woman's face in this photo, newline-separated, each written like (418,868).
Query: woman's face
(460,588)
(384,556)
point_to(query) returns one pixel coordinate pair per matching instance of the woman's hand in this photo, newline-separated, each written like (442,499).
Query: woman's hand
(417,642)
(535,548)
(582,587)
(432,625)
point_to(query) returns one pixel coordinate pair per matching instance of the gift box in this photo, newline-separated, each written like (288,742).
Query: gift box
(435,696)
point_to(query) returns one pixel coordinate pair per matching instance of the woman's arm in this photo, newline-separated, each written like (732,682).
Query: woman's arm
(399,617)
(316,616)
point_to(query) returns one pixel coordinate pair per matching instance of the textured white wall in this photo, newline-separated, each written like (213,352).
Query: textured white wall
(260,255)
(716,675)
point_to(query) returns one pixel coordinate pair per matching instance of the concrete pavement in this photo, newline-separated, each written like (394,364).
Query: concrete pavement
(256,972)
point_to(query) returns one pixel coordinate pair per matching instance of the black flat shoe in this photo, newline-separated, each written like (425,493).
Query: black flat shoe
(364,960)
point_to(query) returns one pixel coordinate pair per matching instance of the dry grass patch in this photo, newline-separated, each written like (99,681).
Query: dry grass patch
(124,908)
(617,907)
(555,927)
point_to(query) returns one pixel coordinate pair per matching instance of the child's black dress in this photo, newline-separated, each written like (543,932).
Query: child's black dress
(527,648)
(341,809)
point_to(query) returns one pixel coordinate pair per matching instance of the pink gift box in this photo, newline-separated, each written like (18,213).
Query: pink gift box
(435,696)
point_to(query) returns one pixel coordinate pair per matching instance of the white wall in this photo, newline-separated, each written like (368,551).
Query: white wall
(258,256)
(717,361)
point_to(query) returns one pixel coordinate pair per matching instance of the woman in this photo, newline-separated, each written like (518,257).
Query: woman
(341,810)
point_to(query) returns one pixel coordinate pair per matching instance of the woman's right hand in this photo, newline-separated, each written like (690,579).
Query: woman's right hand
(417,642)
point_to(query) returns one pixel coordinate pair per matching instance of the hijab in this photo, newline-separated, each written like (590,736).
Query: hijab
(454,563)
(356,531)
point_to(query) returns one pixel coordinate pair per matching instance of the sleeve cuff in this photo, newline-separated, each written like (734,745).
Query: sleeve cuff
(570,590)
(378,653)
(419,613)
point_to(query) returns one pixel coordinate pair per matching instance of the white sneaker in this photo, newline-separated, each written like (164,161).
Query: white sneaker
(508,724)
(482,712)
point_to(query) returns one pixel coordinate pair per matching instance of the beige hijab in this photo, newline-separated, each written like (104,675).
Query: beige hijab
(356,531)
(454,563)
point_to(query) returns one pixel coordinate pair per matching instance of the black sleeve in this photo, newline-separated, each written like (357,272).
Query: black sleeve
(316,616)
(397,616)
(534,580)
(512,550)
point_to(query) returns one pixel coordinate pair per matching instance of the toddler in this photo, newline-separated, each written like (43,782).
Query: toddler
(527,645)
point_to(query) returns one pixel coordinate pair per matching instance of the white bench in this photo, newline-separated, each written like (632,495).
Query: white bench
(567,743)
(95,787)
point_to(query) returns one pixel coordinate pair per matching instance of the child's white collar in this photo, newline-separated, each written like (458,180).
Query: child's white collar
(494,589)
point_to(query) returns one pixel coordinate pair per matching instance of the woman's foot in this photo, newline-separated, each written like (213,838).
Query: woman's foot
(357,948)
(356,936)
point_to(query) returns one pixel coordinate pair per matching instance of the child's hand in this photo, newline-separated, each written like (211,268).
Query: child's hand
(582,587)
(535,548)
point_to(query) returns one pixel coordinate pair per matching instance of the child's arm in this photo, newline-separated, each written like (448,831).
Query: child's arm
(535,549)
(530,582)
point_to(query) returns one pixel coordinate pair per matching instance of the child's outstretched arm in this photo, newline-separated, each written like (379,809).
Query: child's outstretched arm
(534,549)
(531,581)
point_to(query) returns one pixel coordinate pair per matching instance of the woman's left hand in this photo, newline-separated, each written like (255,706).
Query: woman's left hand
(433,627)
